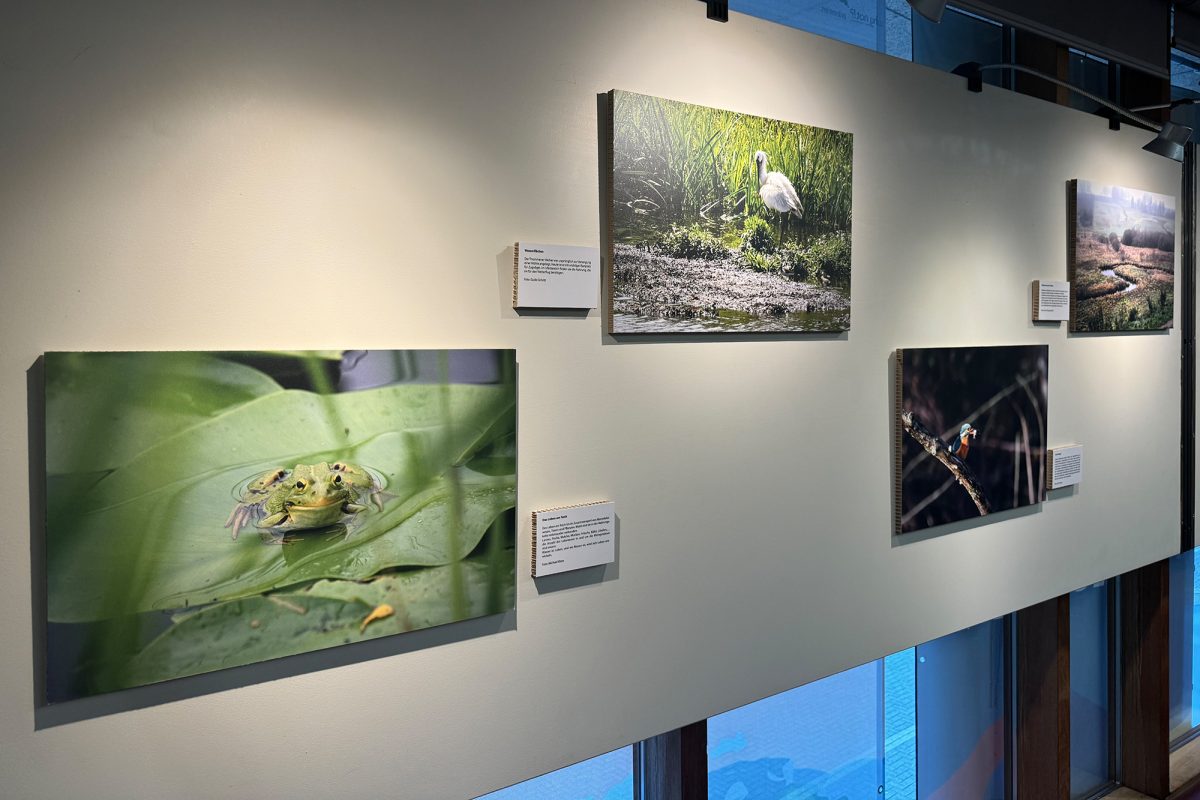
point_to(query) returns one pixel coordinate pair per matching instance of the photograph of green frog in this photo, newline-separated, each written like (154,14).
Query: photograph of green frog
(211,510)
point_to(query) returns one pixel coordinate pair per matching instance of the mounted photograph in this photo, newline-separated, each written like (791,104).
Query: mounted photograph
(722,222)
(1121,258)
(970,432)
(211,510)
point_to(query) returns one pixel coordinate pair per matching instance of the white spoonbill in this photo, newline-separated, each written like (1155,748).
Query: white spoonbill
(777,192)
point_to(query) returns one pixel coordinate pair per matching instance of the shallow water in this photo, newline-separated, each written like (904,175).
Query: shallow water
(733,322)
(1129,285)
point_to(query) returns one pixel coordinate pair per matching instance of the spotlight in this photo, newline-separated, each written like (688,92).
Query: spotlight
(929,9)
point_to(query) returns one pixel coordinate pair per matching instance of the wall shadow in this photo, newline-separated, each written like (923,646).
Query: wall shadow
(67,712)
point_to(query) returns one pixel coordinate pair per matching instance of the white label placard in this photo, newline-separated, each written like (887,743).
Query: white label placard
(1066,466)
(555,276)
(1051,301)
(574,537)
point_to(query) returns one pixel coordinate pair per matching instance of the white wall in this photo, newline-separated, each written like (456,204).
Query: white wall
(188,176)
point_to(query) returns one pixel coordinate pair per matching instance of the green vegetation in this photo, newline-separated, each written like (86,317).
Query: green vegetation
(142,475)
(757,235)
(692,242)
(1123,277)
(679,163)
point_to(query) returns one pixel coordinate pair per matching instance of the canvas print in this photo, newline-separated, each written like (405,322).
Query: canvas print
(208,510)
(971,432)
(1121,260)
(724,222)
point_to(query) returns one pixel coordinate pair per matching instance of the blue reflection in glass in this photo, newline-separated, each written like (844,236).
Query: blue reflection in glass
(1090,765)
(1183,620)
(961,719)
(960,37)
(900,725)
(606,777)
(821,741)
(881,25)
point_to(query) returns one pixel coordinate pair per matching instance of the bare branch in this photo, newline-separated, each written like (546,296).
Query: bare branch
(938,449)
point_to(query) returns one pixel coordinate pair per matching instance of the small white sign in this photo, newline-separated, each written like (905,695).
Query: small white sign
(574,537)
(555,276)
(1066,466)
(1051,301)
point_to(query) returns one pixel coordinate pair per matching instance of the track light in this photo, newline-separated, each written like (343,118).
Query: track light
(929,9)
(1168,143)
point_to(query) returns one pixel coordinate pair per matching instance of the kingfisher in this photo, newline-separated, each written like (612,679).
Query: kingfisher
(961,443)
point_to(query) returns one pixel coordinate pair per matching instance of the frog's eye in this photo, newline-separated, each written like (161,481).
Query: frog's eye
(299,484)
(337,479)
(339,467)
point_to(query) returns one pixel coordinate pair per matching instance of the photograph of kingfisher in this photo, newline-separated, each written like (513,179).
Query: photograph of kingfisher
(972,432)
(961,444)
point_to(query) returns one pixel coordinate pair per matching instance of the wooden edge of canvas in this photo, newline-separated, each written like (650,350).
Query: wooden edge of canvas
(516,271)
(1072,222)
(533,546)
(898,457)
(609,160)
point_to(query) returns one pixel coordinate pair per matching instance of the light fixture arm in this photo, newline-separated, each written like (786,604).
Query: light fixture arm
(1124,112)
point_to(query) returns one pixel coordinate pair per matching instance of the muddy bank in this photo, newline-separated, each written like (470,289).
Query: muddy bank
(652,285)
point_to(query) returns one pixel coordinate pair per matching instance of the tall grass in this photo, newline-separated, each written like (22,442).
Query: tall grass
(677,163)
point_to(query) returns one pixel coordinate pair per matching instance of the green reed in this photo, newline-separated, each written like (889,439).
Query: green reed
(680,163)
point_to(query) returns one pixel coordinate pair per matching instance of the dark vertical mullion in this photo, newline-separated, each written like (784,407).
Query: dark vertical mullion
(1009,655)
(1042,715)
(1187,305)
(674,765)
(693,760)
(1114,677)
(1145,680)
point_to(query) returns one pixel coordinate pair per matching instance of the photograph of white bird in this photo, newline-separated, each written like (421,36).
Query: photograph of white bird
(777,192)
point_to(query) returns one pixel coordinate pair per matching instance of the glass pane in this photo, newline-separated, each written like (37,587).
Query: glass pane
(857,22)
(606,777)
(1185,83)
(1090,766)
(960,37)
(899,29)
(961,719)
(1183,619)
(822,740)
(1089,73)
(900,725)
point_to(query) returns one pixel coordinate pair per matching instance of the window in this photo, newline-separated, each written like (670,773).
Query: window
(606,777)
(1185,84)
(1092,683)
(881,25)
(1184,616)
(960,37)
(823,739)
(1090,73)
(962,714)
(900,725)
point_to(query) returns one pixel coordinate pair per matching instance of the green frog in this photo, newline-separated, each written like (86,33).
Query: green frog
(304,497)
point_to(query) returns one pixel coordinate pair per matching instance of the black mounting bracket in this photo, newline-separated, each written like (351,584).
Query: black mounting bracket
(717,9)
(972,72)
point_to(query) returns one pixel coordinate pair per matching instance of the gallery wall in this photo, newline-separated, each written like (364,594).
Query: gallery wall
(280,176)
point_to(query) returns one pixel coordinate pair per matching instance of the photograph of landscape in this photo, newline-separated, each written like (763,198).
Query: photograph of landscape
(211,510)
(724,222)
(971,432)
(1121,260)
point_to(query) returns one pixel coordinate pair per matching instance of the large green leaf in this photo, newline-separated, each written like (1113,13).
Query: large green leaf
(326,614)
(150,534)
(102,409)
